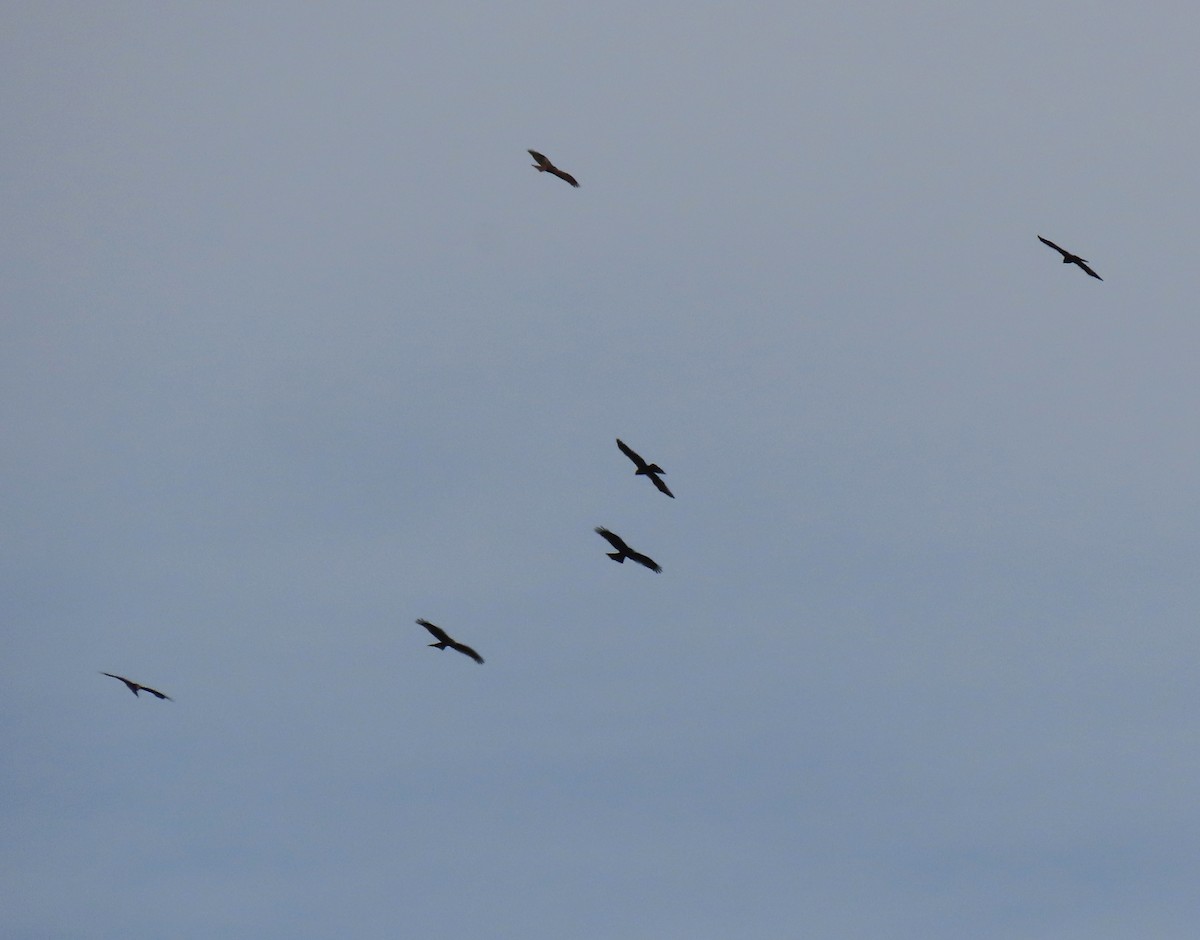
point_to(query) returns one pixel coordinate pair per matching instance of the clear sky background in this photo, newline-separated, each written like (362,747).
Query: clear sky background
(296,348)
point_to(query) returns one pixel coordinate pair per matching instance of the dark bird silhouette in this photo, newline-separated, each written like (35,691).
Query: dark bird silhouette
(545,166)
(136,687)
(651,470)
(1069,258)
(444,639)
(623,551)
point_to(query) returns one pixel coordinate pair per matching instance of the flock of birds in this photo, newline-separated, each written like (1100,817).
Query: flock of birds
(653,471)
(622,551)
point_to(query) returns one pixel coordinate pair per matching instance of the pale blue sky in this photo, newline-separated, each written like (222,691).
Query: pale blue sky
(297,348)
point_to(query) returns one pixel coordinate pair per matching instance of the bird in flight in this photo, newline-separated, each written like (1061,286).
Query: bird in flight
(651,470)
(136,687)
(623,551)
(545,166)
(1069,258)
(444,639)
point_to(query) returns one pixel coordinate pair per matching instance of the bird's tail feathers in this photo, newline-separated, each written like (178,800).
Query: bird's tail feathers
(618,557)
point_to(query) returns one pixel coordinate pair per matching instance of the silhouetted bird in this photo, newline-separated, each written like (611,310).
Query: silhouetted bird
(444,640)
(651,470)
(623,551)
(1069,258)
(545,166)
(136,687)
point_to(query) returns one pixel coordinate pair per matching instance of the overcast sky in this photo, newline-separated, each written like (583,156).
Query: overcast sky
(297,347)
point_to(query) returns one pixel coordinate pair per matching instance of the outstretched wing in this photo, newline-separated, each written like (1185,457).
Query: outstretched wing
(1046,241)
(129,683)
(631,454)
(662,487)
(541,159)
(439,634)
(1083,264)
(155,692)
(646,561)
(467,651)
(563,176)
(613,539)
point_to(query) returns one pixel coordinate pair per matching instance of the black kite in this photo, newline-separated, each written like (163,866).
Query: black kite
(1069,258)
(136,687)
(444,639)
(545,166)
(651,470)
(623,551)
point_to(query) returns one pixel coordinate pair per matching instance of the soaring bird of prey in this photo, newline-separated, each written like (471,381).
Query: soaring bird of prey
(1069,258)
(136,687)
(651,470)
(623,551)
(545,166)
(444,639)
